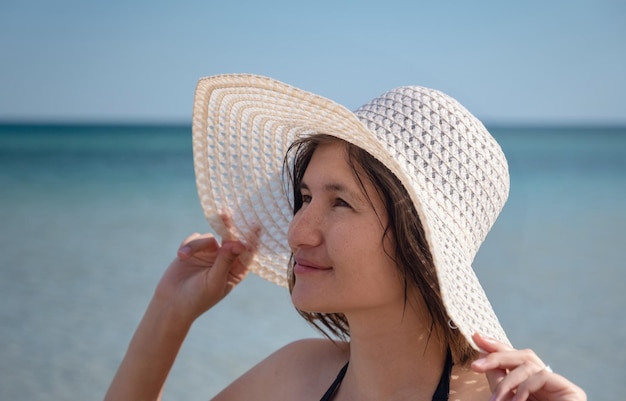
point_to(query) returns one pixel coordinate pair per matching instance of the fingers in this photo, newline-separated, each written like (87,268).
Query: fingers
(488,344)
(546,382)
(208,243)
(533,384)
(518,375)
(226,257)
(233,250)
(228,224)
(494,374)
(196,243)
(232,258)
(526,376)
(512,374)
(252,238)
(509,360)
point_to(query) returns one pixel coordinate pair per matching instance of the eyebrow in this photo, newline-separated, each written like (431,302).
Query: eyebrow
(336,187)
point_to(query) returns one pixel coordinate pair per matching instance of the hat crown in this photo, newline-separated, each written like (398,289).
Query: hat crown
(455,167)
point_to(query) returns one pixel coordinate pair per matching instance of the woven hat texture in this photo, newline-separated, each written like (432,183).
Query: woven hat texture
(453,169)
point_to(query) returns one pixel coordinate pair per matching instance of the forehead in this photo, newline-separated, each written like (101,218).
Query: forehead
(332,167)
(329,159)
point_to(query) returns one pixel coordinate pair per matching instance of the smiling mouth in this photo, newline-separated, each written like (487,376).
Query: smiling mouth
(303,267)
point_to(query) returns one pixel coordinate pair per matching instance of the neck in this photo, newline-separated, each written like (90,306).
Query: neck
(392,357)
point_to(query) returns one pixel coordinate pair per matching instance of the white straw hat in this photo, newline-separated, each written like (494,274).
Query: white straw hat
(453,169)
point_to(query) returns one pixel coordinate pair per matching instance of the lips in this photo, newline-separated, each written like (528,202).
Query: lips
(304,266)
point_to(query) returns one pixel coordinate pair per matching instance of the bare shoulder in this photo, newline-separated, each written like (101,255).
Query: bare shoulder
(300,368)
(467,385)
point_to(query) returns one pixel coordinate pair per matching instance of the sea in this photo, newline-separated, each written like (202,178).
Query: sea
(92,214)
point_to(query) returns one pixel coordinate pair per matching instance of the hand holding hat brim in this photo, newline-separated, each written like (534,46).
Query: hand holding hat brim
(521,375)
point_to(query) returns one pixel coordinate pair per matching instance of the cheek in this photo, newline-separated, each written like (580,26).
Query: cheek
(366,256)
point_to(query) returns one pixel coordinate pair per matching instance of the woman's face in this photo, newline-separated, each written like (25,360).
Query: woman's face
(337,241)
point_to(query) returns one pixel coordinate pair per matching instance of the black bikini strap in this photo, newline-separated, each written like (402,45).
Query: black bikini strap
(333,387)
(441,393)
(443,388)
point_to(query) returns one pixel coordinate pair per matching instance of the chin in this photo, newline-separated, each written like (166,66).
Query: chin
(309,301)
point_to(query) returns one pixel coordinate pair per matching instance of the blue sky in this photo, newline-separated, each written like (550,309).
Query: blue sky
(533,61)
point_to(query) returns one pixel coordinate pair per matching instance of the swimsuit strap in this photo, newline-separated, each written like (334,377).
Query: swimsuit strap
(441,393)
(443,388)
(330,393)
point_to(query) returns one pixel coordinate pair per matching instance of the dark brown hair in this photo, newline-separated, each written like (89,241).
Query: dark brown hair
(410,249)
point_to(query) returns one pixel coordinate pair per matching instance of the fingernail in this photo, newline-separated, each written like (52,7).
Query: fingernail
(487,338)
(226,218)
(185,250)
(479,363)
(255,231)
(238,248)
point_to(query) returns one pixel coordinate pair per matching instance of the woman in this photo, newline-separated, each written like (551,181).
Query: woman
(383,212)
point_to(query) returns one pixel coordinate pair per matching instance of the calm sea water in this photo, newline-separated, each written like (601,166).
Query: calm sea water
(91,215)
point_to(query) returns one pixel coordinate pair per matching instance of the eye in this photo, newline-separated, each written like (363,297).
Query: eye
(305,198)
(341,203)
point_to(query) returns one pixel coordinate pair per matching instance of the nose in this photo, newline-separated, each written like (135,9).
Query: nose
(305,229)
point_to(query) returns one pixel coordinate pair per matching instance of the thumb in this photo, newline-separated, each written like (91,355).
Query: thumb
(488,346)
(226,256)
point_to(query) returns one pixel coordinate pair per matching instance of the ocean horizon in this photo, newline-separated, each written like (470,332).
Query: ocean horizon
(91,214)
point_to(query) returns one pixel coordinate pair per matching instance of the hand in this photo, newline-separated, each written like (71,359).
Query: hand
(204,272)
(519,375)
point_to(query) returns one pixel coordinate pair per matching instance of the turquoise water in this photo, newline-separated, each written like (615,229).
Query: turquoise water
(91,215)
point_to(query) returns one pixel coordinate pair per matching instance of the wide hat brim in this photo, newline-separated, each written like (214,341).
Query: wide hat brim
(242,127)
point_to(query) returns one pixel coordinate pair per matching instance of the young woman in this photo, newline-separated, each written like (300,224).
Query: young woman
(383,213)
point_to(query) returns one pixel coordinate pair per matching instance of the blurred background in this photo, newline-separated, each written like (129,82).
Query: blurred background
(97,186)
